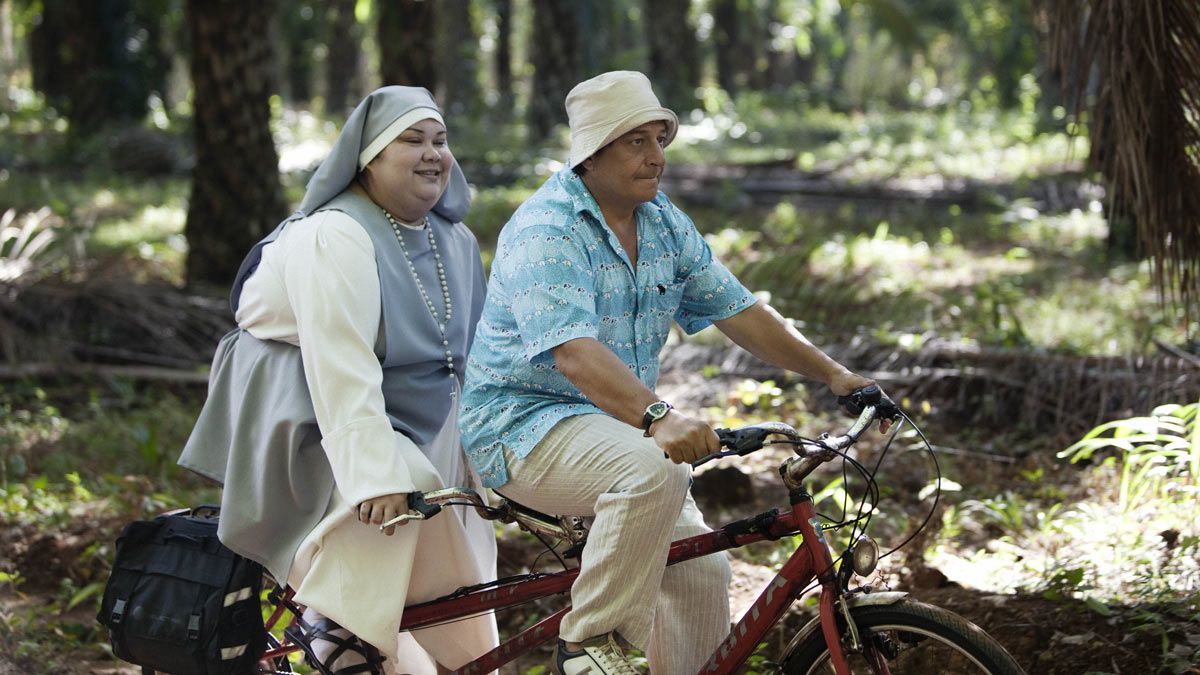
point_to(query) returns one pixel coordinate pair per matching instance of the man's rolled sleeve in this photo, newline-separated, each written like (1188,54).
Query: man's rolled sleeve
(552,291)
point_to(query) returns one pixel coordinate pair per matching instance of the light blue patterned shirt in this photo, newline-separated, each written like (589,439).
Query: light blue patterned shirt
(559,274)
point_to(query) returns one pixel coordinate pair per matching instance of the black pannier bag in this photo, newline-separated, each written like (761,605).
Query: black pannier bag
(179,602)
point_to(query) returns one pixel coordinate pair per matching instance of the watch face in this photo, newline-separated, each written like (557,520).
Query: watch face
(657,409)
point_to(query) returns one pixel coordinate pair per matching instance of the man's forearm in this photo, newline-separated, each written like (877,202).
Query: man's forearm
(763,332)
(604,378)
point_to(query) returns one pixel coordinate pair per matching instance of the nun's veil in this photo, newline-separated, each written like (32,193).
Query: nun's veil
(373,116)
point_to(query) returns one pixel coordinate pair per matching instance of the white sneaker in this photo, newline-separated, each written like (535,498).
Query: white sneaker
(600,655)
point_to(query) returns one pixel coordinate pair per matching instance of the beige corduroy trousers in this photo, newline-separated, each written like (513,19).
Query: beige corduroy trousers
(596,466)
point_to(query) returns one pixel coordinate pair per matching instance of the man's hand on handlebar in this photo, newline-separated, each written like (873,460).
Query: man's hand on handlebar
(846,385)
(684,439)
(382,509)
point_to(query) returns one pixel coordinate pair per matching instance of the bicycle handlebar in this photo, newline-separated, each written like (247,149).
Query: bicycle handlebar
(869,403)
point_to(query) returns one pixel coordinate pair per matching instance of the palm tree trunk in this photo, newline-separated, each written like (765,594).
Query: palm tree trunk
(300,32)
(236,197)
(555,54)
(503,56)
(460,46)
(674,63)
(408,42)
(734,33)
(343,74)
(88,73)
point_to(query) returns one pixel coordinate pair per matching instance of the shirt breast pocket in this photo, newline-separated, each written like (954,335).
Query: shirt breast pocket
(662,303)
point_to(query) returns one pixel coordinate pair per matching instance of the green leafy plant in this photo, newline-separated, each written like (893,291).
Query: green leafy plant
(26,251)
(1158,455)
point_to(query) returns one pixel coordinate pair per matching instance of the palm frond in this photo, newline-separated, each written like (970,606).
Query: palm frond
(25,246)
(1131,68)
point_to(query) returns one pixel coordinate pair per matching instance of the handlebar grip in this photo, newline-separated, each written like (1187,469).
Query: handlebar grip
(860,398)
(855,401)
(416,502)
(743,441)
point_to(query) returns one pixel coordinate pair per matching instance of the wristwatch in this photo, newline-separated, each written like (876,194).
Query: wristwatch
(654,412)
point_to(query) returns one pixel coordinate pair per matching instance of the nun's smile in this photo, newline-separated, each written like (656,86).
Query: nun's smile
(410,174)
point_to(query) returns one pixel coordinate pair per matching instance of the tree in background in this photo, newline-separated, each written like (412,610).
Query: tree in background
(503,58)
(674,57)
(733,45)
(302,33)
(86,58)
(459,94)
(1144,120)
(554,49)
(236,197)
(343,68)
(408,42)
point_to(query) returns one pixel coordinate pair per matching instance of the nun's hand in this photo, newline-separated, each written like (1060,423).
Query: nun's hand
(379,510)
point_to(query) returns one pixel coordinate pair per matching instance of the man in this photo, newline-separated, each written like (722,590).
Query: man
(559,410)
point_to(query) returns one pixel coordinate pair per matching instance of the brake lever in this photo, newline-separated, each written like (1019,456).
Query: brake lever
(418,509)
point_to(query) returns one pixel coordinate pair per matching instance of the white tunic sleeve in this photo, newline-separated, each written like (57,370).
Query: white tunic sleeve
(331,282)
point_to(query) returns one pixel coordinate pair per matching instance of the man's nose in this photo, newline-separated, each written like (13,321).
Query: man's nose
(658,155)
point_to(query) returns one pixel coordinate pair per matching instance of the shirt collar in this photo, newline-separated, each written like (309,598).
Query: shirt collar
(581,198)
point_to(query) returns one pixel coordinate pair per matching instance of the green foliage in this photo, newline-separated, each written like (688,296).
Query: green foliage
(1012,278)
(1180,653)
(1158,455)
(1015,515)
(1124,540)
(750,402)
(113,429)
(26,247)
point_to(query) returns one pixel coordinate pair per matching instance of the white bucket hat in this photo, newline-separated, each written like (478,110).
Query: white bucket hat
(603,108)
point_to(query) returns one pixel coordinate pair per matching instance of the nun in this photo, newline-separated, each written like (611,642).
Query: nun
(336,396)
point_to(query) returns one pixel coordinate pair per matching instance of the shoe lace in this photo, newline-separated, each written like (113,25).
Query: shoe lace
(613,660)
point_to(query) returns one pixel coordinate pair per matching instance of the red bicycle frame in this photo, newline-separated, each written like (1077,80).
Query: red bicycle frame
(810,560)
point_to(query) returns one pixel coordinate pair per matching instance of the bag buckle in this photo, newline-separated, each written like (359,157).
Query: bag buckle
(118,611)
(194,627)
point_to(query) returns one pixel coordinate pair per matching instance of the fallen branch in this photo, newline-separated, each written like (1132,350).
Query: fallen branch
(1176,351)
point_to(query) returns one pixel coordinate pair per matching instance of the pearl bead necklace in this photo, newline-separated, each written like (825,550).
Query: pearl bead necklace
(441,322)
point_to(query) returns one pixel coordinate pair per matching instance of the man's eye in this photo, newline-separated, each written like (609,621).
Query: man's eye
(636,141)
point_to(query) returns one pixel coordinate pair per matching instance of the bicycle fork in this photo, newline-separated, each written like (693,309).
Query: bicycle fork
(832,598)
(822,562)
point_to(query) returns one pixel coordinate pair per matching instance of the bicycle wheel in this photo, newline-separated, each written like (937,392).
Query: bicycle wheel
(913,638)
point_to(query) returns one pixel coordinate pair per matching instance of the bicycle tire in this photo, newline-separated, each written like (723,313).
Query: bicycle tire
(954,644)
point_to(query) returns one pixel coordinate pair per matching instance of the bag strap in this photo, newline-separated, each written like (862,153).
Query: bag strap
(194,625)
